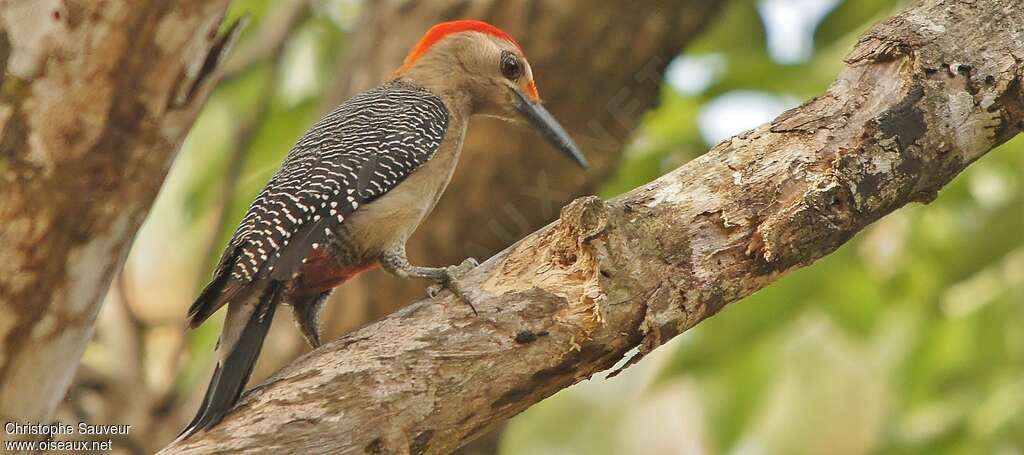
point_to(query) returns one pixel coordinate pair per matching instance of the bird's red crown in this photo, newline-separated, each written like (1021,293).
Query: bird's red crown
(439,31)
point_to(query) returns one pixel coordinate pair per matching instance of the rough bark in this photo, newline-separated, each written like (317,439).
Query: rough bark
(924,94)
(598,82)
(96,99)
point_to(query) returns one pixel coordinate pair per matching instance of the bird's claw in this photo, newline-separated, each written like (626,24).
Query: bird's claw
(433,290)
(450,279)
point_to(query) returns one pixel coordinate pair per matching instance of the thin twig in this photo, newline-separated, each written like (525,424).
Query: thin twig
(273,34)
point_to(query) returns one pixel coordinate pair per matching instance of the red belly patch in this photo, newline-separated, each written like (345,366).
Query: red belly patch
(322,272)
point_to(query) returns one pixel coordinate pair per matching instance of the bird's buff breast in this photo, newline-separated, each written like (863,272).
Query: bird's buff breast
(382,224)
(390,220)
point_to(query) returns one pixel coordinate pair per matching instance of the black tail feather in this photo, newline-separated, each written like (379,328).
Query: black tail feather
(207,303)
(218,292)
(230,377)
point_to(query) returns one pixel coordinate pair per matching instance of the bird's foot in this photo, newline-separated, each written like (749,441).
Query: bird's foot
(450,280)
(459,271)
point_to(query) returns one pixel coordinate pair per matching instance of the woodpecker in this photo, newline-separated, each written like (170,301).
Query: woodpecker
(353,189)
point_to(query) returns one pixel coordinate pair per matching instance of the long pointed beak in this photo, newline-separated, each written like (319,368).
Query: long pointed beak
(541,119)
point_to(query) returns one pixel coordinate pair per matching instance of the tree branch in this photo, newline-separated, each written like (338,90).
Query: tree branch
(924,94)
(96,100)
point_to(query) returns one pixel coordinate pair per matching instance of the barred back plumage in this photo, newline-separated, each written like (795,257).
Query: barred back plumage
(355,154)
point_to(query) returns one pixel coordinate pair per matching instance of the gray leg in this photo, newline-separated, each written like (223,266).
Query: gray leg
(395,261)
(307,315)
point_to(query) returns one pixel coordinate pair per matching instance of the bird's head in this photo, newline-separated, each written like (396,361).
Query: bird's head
(487,66)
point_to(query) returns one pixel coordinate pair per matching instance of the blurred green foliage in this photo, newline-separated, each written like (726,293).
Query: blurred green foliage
(906,340)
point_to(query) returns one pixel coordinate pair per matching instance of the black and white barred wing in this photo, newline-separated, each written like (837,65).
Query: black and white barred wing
(357,153)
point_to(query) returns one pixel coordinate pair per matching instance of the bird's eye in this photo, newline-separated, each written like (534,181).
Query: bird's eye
(510,66)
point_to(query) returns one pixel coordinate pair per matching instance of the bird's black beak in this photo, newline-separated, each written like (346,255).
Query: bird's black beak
(541,119)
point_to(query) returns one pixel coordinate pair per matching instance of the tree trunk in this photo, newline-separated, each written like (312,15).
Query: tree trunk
(97,97)
(924,95)
(598,82)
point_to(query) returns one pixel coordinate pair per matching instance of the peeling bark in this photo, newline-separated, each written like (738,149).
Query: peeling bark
(95,101)
(924,94)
